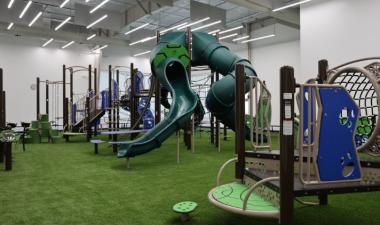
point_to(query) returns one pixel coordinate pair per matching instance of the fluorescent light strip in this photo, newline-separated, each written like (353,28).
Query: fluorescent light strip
(91,37)
(258,38)
(25,9)
(68,44)
(143,40)
(10,26)
(214,31)
(207,25)
(142,53)
(87,0)
(97,21)
(48,42)
(11,3)
(98,6)
(35,19)
(62,23)
(290,5)
(172,28)
(100,48)
(240,38)
(228,36)
(191,24)
(137,28)
(64,3)
(229,30)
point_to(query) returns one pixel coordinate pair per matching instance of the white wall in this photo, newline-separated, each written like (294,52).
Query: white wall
(22,61)
(339,31)
(267,61)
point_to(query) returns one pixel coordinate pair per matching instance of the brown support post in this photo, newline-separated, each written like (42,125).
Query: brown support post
(1,152)
(239,117)
(88,125)
(64,107)
(38,97)
(96,99)
(118,101)
(225,132)
(188,125)
(65,116)
(89,78)
(322,71)
(7,149)
(287,90)
(157,94)
(71,100)
(109,101)
(212,128)
(47,97)
(217,125)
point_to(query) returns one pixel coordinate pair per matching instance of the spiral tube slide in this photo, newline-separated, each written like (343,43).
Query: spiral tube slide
(169,60)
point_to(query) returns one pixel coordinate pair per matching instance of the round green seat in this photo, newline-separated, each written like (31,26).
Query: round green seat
(185,208)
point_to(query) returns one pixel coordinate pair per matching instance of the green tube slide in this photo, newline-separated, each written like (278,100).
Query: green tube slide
(169,60)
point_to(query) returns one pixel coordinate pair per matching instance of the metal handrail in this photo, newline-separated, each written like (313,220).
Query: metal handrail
(253,187)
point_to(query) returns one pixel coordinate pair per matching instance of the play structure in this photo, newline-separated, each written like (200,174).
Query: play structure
(171,60)
(6,136)
(326,160)
(362,84)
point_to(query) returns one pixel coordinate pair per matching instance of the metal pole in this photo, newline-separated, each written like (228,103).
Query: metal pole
(96,98)
(212,129)
(38,97)
(322,71)
(157,94)
(287,89)
(118,98)
(239,117)
(217,125)
(47,98)
(64,106)
(89,78)
(109,100)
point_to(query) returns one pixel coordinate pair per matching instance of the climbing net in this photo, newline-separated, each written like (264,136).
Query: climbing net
(361,84)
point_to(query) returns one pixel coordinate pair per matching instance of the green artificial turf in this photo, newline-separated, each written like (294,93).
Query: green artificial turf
(65,183)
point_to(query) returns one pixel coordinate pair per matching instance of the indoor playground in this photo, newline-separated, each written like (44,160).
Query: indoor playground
(172,112)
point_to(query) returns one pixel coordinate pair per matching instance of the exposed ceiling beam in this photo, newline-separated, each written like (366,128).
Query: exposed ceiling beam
(290,16)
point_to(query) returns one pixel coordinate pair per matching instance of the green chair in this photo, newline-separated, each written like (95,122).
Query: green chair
(55,135)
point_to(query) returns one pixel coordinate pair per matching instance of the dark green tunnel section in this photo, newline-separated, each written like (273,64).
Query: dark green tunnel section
(169,60)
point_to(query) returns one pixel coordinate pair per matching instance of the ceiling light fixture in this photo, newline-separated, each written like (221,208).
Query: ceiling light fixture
(35,19)
(228,36)
(214,31)
(98,6)
(207,25)
(172,28)
(25,9)
(232,29)
(290,5)
(10,26)
(137,28)
(11,3)
(99,48)
(68,44)
(240,38)
(48,42)
(258,38)
(63,23)
(97,21)
(191,24)
(142,53)
(91,37)
(143,40)
(64,3)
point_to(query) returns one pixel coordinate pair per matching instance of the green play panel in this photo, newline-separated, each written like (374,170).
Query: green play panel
(233,195)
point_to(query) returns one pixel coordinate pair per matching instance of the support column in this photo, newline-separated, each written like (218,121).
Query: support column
(47,98)
(109,101)
(239,117)
(287,89)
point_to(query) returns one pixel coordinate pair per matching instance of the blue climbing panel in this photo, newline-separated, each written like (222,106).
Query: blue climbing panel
(337,149)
